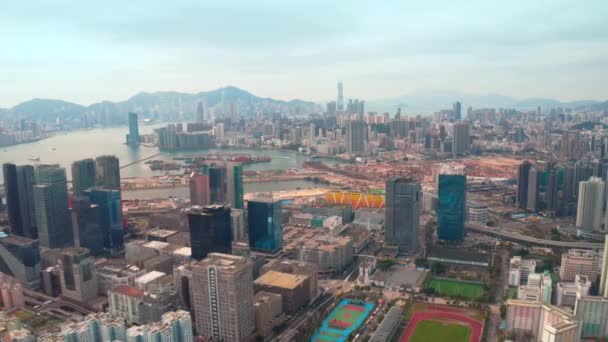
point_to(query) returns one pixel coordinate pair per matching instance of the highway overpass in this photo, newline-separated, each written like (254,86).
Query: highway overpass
(528,240)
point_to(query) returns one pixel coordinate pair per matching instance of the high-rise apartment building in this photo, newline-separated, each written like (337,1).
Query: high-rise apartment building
(223,297)
(462,138)
(83,176)
(77,275)
(18,187)
(133,136)
(590,204)
(210,230)
(264,222)
(20,258)
(451,206)
(51,208)
(402,215)
(355,136)
(579,261)
(107,172)
(542,322)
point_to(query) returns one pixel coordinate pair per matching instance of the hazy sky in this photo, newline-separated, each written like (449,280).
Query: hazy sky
(81,52)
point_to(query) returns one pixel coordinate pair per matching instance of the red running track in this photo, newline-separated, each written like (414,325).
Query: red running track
(429,315)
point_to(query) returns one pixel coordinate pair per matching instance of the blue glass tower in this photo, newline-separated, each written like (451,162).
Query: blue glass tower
(264,220)
(110,213)
(451,207)
(133,136)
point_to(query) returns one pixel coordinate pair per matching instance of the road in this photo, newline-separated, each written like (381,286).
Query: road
(531,240)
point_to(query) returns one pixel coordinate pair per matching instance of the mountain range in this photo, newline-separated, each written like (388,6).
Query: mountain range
(169,104)
(165,104)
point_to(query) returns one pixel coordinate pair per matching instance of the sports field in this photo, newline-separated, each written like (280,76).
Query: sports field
(432,331)
(454,288)
(430,323)
(342,321)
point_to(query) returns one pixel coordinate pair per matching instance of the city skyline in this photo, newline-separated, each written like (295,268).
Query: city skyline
(113,54)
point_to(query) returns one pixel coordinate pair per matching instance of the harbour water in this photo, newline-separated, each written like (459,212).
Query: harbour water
(66,148)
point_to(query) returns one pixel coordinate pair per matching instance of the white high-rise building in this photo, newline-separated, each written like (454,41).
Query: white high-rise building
(538,288)
(543,322)
(590,204)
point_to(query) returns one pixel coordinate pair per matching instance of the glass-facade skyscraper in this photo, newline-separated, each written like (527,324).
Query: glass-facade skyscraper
(110,217)
(18,186)
(210,230)
(217,184)
(235,185)
(51,207)
(402,215)
(133,136)
(451,208)
(20,258)
(107,172)
(83,176)
(264,222)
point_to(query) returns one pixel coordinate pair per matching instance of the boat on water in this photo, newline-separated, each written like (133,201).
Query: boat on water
(33,158)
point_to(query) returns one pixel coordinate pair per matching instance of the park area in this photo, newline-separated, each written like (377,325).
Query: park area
(430,323)
(345,318)
(455,288)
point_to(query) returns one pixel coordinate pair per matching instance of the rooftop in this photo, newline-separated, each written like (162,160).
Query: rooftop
(149,277)
(161,233)
(129,291)
(281,279)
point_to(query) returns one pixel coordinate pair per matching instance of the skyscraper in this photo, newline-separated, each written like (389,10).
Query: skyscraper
(83,176)
(51,208)
(18,187)
(264,222)
(235,189)
(590,204)
(133,136)
(217,184)
(200,112)
(522,184)
(603,288)
(462,138)
(223,297)
(451,207)
(107,172)
(457,109)
(568,189)
(551,190)
(340,101)
(199,188)
(533,185)
(210,230)
(77,275)
(86,225)
(355,136)
(108,201)
(582,171)
(402,215)
(20,258)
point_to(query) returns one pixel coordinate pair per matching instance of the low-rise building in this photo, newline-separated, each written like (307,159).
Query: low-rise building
(568,292)
(268,312)
(389,325)
(538,288)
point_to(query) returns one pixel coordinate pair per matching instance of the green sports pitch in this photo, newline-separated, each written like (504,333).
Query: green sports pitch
(432,331)
(453,288)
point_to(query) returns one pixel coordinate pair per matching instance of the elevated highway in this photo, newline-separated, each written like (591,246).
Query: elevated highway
(529,240)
